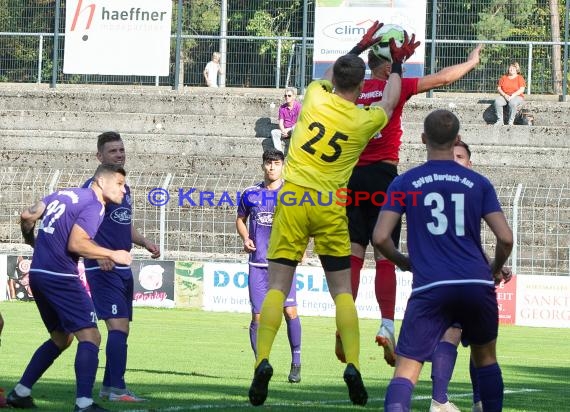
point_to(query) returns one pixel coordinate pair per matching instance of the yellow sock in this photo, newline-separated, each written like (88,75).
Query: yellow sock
(269,322)
(347,325)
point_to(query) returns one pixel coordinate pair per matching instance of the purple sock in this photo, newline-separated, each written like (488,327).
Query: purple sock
(40,362)
(106,375)
(86,362)
(399,395)
(253,336)
(491,387)
(116,352)
(442,364)
(294,335)
(474,381)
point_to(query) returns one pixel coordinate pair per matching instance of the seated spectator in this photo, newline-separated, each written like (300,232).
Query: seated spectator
(511,88)
(288,114)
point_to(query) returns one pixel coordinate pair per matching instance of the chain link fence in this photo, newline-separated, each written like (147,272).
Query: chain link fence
(263,42)
(198,222)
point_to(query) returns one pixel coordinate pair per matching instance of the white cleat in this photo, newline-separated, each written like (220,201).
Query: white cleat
(443,407)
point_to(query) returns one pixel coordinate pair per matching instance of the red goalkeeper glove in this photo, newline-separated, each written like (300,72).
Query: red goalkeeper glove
(368,39)
(409,46)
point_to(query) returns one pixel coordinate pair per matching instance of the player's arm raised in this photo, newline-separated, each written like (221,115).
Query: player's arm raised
(28,220)
(365,42)
(391,95)
(80,243)
(450,74)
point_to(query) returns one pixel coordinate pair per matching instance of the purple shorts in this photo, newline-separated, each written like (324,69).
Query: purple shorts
(112,292)
(63,302)
(258,283)
(430,313)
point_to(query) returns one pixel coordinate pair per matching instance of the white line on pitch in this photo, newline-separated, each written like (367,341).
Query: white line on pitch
(307,403)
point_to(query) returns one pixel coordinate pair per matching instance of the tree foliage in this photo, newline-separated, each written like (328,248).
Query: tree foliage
(492,20)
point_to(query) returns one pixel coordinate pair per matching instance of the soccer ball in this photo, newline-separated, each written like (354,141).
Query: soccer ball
(386,32)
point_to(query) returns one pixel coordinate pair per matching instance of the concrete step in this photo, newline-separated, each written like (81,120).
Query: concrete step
(236,102)
(137,123)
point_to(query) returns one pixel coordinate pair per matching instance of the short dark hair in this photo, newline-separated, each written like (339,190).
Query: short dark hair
(441,128)
(271,155)
(464,145)
(105,138)
(348,72)
(375,61)
(104,169)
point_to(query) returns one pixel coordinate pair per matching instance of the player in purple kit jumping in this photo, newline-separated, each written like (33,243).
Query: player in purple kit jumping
(112,285)
(69,220)
(452,279)
(258,205)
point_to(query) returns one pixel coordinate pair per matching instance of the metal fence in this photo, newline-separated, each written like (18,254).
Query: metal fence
(263,43)
(539,215)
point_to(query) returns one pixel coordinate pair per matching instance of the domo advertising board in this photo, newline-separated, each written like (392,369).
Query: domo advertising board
(117,37)
(340,24)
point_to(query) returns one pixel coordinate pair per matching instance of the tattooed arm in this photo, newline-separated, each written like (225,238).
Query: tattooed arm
(28,221)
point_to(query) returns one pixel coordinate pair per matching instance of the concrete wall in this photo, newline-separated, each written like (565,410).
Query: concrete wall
(200,132)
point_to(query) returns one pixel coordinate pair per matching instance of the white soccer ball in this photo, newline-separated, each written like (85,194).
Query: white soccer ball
(385,33)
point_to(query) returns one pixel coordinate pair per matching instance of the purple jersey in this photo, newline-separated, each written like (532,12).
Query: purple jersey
(64,209)
(444,222)
(115,231)
(257,203)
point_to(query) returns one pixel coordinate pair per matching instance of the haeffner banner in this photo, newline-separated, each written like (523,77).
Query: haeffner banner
(118,37)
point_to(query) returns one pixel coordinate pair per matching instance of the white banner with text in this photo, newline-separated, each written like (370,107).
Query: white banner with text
(118,37)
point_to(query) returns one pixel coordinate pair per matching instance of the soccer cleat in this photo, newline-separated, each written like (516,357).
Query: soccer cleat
(295,373)
(91,408)
(339,349)
(477,407)
(385,338)
(104,392)
(261,377)
(124,395)
(442,407)
(356,390)
(20,402)
(3,403)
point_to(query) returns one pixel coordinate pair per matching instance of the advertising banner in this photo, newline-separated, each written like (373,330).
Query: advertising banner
(18,278)
(189,284)
(340,24)
(118,37)
(226,290)
(507,300)
(154,283)
(543,301)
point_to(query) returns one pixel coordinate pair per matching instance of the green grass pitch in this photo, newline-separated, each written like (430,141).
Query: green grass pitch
(185,360)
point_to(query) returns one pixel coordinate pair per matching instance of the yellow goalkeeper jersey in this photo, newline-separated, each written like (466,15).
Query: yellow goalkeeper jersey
(328,138)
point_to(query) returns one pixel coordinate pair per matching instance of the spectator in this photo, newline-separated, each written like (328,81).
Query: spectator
(288,114)
(212,70)
(511,88)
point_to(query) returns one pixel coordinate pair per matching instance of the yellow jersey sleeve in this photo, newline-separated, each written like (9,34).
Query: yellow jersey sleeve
(328,138)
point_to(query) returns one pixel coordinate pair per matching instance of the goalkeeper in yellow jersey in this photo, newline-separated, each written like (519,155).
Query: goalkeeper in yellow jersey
(330,134)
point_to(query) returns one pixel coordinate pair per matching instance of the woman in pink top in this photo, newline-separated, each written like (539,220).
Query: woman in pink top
(511,88)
